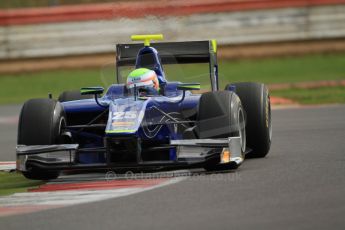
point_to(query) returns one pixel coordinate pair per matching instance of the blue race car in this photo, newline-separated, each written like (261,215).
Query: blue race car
(146,121)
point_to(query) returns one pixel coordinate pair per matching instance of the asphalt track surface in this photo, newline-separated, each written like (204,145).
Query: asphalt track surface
(8,131)
(300,185)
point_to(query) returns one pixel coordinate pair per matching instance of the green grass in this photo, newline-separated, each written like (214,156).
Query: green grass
(279,70)
(324,95)
(15,182)
(289,69)
(18,88)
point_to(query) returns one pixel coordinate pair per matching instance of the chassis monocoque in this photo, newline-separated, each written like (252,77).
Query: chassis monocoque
(122,130)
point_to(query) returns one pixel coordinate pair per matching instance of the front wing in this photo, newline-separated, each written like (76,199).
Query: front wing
(190,152)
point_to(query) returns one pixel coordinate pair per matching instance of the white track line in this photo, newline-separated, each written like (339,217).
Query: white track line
(7,165)
(10,120)
(27,202)
(74,197)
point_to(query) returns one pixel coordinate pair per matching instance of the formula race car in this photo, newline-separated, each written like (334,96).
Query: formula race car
(145,121)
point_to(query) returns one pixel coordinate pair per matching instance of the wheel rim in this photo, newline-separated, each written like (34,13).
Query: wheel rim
(242,129)
(269,118)
(62,125)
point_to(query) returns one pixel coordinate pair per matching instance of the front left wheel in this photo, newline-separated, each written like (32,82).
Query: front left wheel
(221,115)
(256,102)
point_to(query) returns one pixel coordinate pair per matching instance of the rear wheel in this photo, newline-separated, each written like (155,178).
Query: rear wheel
(40,123)
(256,102)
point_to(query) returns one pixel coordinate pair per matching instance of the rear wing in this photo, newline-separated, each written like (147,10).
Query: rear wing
(169,52)
(174,53)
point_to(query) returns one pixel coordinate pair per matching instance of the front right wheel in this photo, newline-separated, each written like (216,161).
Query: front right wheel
(41,122)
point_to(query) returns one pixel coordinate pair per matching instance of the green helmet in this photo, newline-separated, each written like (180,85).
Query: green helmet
(143,78)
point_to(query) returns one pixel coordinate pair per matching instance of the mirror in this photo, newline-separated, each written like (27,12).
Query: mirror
(91,90)
(188,86)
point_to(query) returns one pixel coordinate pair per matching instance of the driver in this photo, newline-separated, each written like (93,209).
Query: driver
(144,80)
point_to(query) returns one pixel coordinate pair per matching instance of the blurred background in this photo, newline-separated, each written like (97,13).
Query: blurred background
(297,47)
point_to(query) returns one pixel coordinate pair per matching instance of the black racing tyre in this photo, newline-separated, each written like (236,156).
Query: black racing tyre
(220,115)
(256,102)
(36,174)
(216,118)
(72,96)
(40,123)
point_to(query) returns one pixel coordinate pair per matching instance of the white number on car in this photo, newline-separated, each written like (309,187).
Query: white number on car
(124,115)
